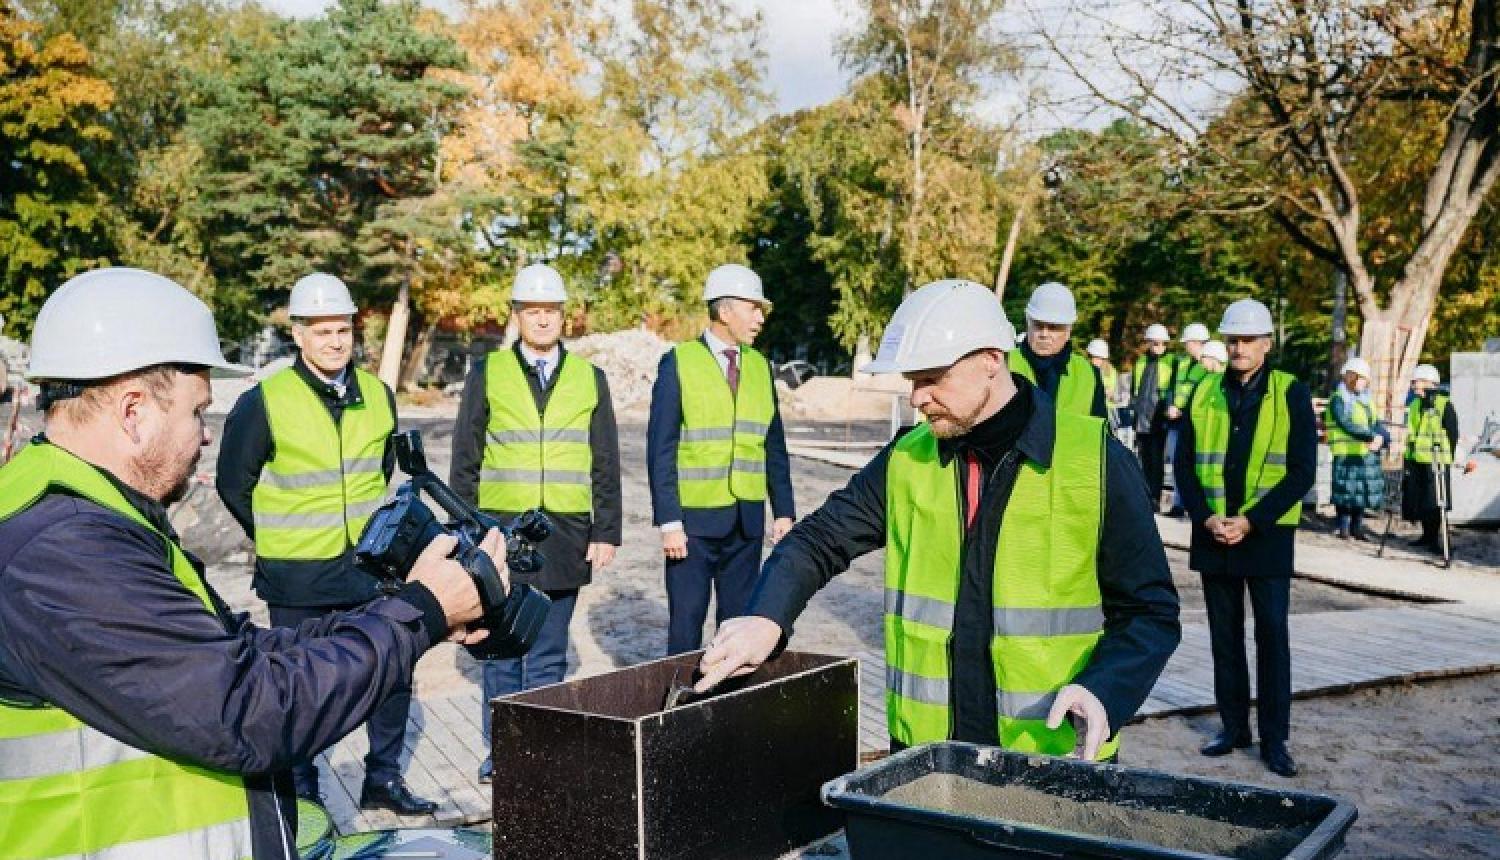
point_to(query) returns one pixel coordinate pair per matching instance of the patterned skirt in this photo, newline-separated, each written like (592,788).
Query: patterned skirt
(1358,482)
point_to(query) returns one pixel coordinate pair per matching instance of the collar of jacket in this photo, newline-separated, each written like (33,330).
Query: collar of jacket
(326,390)
(1032,408)
(1257,381)
(154,512)
(1058,360)
(530,368)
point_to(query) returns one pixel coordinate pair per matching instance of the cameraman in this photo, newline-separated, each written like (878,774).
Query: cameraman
(138,716)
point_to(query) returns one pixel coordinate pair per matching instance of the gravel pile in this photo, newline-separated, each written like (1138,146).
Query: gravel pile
(629,359)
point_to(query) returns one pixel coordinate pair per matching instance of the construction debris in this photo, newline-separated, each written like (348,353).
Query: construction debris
(628,358)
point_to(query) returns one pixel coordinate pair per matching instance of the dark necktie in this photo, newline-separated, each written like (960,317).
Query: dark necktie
(733,371)
(541,372)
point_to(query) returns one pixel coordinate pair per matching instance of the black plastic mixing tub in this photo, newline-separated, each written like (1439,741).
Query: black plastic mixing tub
(595,768)
(880,828)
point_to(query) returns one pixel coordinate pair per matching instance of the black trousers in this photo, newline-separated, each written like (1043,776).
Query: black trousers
(1270,598)
(386,727)
(1151,448)
(729,565)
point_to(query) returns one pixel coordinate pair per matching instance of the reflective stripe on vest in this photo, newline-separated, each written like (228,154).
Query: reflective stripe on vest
(1267,466)
(68,790)
(536,460)
(322,483)
(1165,366)
(721,454)
(1048,612)
(1361,416)
(1189,374)
(1425,430)
(1075,386)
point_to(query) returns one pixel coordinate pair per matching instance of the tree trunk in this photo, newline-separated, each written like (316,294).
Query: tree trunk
(395,337)
(411,370)
(1009,254)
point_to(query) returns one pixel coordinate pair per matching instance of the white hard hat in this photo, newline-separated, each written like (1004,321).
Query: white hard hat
(1052,303)
(1216,349)
(1158,332)
(939,324)
(538,282)
(1358,365)
(1098,348)
(1247,318)
(111,321)
(320,295)
(1428,373)
(1195,332)
(733,281)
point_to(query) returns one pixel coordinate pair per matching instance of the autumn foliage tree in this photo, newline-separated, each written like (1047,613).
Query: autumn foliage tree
(51,207)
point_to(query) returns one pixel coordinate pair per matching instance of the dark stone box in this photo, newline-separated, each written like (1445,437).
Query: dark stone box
(595,768)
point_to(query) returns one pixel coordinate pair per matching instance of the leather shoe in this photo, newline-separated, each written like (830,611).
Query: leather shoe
(395,796)
(1278,760)
(1225,743)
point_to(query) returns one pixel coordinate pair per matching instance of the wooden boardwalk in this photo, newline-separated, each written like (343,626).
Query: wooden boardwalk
(1331,652)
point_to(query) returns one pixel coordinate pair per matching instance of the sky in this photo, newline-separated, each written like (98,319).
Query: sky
(801,68)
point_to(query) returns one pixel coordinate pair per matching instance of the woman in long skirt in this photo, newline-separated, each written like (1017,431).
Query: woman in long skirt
(1355,438)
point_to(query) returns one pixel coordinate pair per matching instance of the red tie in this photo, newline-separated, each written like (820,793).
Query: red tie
(733,371)
(972,490)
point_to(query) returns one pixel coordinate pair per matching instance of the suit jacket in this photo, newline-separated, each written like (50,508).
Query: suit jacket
(664,429)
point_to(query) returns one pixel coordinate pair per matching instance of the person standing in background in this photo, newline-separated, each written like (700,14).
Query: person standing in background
(715,452)
(536,429)
(1431,439)
(1355,439)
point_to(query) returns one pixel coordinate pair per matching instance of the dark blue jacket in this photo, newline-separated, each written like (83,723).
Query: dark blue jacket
(92,620)
(663,431)
(1270,549)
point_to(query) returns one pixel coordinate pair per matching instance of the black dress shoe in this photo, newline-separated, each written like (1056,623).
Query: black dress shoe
(1225,743)
(1278,760)
(395,796)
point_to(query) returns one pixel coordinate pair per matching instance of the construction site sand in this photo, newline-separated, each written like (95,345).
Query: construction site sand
(1020,804)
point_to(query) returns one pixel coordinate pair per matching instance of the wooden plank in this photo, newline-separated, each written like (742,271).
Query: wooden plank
(426,772)
(468,734)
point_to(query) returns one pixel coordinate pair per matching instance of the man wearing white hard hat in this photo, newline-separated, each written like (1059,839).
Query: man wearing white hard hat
(1028,603)
(305,462)
(1048,359)
(1431,438)
(1246,456)
(140,717)
(1153,379)
(1189,372)
(1355,436)
(536,429)
(715,453)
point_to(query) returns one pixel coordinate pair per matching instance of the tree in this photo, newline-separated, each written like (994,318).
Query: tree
(51,208)
(311,138)
(1314,80)
(930,59)
(667,176)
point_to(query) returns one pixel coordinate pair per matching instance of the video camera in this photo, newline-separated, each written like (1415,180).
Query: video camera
(401,528)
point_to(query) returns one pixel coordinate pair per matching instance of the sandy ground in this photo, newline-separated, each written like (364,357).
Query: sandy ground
(1422,762)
